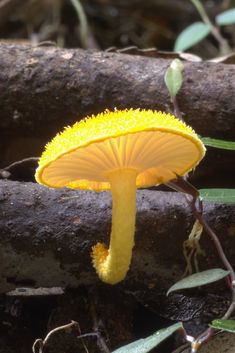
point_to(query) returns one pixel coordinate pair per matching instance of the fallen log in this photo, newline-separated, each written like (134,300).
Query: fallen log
(43,89)
(47,235)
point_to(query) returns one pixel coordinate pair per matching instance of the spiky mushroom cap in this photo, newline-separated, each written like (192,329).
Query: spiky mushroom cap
(121,151)
(157,145)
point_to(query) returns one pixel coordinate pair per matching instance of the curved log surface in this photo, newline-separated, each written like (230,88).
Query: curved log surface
(43,89)
(47,234)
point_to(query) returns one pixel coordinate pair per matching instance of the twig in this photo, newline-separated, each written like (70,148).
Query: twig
(96,327)
(18,163)
(41,343)
(6,172)
(231,308)
(199,216)
(81,336)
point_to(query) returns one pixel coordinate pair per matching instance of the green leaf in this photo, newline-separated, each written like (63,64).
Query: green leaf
(199,279)
(225,325)
(173,77)
(226,18)
(191,36)
(225,145)
(218,195)
(145,345)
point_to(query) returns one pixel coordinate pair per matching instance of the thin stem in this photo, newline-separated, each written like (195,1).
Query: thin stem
(6,172)
(81,337)
(22,161)
(214,238)
(113,264)
(84,335)
(231,308)
(177,111)
(182,185)
(205,336)
(230,311)
(224,47)
(42,343)
(59,328)
(83,22)
(101,341)
(202,12)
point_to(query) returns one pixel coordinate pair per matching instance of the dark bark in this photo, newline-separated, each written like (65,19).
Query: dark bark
(47,234)
(43,89)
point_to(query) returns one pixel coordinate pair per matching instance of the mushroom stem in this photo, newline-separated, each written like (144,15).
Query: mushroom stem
(112,264)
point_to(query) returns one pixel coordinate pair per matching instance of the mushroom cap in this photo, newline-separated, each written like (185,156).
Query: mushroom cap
(156,144)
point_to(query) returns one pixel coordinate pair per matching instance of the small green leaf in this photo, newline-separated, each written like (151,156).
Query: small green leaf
(226,18)
(218,195)
(145,345)
(199,279)
(191,36)
(222,144)
(225,325)
(173,77)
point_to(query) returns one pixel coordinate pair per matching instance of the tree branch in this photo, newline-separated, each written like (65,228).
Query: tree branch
(43,89)
(47,234)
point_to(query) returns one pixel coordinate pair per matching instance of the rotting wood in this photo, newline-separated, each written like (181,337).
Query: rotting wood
(47,234)
(43,89)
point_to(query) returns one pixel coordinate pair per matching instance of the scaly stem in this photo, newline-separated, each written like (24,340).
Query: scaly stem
(113,264)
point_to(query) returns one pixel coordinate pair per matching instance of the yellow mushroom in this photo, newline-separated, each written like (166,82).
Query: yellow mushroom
(119,151)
